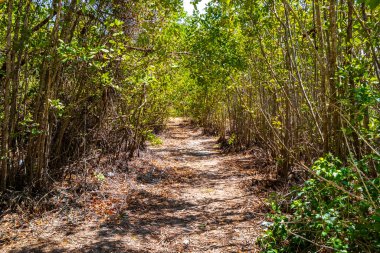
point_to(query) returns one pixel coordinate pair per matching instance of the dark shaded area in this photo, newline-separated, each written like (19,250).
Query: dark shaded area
(39,248)
(107,246)
(97,247)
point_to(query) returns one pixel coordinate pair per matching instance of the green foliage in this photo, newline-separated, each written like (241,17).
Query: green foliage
(318,215)
(372,3)
(231,139)
(58,106)
(100,177)
(256,71)
(153,139)
(79,70)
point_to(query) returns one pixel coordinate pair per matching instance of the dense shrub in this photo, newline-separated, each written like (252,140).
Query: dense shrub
(320,217)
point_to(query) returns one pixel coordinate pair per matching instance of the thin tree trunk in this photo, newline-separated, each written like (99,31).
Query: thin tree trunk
(321,49)
(4,156)
(333,108)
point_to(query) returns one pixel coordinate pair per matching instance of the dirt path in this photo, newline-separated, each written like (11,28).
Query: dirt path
(185,196)
(215,214)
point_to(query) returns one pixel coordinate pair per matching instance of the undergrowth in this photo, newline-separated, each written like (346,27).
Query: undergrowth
(336,210)
(153,139)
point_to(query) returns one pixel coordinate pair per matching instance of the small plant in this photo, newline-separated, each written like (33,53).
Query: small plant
(153,139)
(323,217)
(100,177)
(58,106)
(232,139)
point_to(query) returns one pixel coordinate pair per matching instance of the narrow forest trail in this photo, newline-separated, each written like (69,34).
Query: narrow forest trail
(186,196)
(213,213)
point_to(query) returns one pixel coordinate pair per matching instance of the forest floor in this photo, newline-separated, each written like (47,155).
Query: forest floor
(184,195)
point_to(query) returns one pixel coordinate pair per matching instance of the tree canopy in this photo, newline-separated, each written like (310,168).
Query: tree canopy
(297,78)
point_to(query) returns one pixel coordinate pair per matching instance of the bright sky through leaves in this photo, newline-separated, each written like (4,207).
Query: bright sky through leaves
(189,7)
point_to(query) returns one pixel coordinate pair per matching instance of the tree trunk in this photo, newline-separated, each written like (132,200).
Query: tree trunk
(4,156)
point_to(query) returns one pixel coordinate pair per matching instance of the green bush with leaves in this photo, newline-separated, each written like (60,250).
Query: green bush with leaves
(337,210)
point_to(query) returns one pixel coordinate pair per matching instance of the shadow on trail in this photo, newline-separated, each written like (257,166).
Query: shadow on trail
(186,190)
(106,245)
